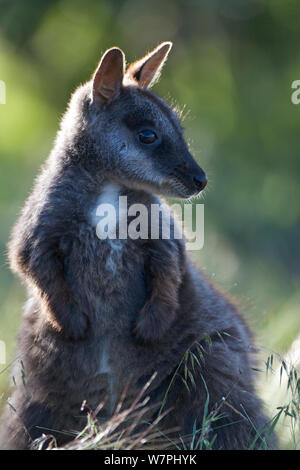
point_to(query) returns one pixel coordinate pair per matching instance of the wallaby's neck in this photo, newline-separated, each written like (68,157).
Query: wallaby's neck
(93,181)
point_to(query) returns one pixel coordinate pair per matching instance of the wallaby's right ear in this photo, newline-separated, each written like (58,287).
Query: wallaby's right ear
(107,80)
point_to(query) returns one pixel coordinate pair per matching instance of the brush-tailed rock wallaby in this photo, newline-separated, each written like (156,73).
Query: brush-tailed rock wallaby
(106,313)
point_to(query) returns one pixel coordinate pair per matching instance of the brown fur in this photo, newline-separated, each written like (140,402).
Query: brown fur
(103,314)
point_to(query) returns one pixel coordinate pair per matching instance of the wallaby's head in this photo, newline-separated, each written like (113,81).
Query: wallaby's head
(134,133)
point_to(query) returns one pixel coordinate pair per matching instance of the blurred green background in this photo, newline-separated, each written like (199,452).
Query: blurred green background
(232,66)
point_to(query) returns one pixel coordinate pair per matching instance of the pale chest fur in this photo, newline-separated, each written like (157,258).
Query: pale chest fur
(118,262)
(104,217)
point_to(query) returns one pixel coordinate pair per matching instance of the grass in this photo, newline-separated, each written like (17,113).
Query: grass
(280,389)
(127,429)
(120,432)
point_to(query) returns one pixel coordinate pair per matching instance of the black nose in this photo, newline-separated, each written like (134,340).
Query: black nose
(200,181)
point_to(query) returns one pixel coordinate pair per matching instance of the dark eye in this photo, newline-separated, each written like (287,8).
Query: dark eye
(147,136)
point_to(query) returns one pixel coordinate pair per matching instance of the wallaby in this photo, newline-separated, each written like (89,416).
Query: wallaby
(105,313)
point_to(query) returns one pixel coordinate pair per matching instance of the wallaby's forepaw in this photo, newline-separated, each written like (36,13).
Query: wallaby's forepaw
(71,321)
(153,322)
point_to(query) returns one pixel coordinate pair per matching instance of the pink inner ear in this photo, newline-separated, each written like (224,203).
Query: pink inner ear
(149,71)
(109,75)
(146,70)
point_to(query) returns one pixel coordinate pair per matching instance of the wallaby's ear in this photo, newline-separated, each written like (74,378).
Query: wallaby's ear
(147,70)
(107,80)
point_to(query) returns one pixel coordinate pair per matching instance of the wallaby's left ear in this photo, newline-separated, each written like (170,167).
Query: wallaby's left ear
(147,70)
(107,80)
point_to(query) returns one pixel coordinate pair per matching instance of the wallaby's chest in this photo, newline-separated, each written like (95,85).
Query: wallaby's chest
(104,272)
(114,255)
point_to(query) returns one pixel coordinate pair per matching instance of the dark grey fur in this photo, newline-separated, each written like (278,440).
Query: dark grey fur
(102,314)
